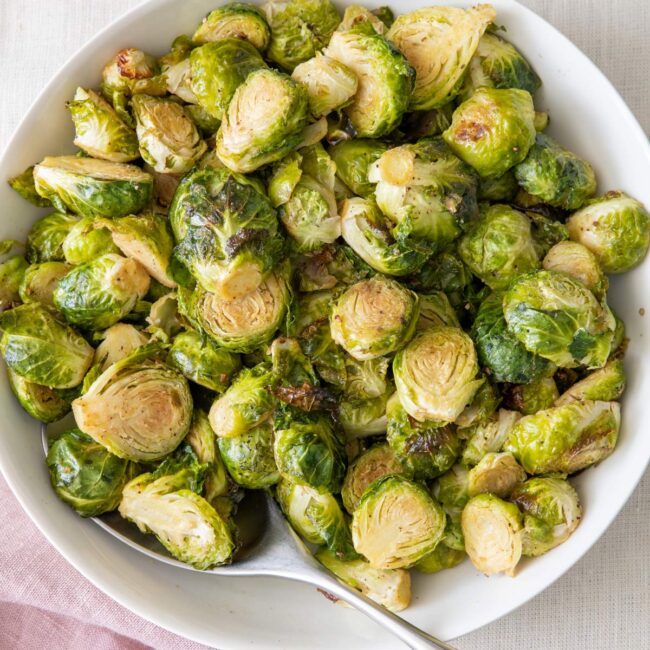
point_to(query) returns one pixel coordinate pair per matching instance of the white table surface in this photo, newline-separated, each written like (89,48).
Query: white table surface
(602,603)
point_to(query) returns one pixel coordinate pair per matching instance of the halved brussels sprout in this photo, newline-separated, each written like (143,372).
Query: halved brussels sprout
(556,175)
(331,266)
(547,230)
(606,384)
(98,294)
(551,511)
(139,408)
(535,396)
(85,475)
(390,588)
(442,557)
(330,84)
(353,158)
(504,188)
(206,123)
(363,417)
(374,317)
(370,465)
(426,191)
(93,188)
(355,14)
(23,184)
(499,246)
(482,407)
(299,29)
(100,131)
(42,403)
(615,228)
(579,262)
(493,534)
(385,79)
(493,130)
(365,230)
(40,282)
(498,64)
(396,523)
(565,438)
(241,324)
(435,374)
(168,139)
(175,68)
(263,122)
(234,20)
(495,473)
(558,318)
(487,437)
(439,43)
(12,272)
(435,309)
(452,488)
(86,241)
(130,72)
(46,237)
(316,516)
(42,349)
(425,449)
(118,342)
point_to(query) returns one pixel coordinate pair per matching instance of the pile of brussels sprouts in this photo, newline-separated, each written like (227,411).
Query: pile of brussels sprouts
(335,258)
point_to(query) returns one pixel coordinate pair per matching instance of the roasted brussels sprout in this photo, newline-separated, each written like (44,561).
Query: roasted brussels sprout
(396,523)
(435,310)
(12,272)
(23,184)
(176,72)
(442,557)
(495,473)
(40,282)
(139,408)
(234,20)
(353,158)
(439,43)
(556,175)
(565,438)
(615,228)
(503,188)
(391,588)
(483,406)
(86,241)
(355,14)
(532,397)
(605,384)
(46,237)
(129,72)
(93,188)
(558,318)
(493,534)
(385,79)
(100,131)
(42,403)
(263,122)
(551,511)
(493,130)
(42,349)
(374,317)
(579,262)
(435,374)
(487,437)
(118,342)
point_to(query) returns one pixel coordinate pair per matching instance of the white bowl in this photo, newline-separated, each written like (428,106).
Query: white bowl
(589,117)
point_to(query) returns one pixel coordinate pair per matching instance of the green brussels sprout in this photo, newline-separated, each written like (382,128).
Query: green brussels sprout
(444,272)
(615,228)
(385,79)
(85,475)
(503,188)
(230,255)
(264,121)
(551,512)
(380,460)
(442,557)
(499,351)
(579,262)
(234,20)
(435,374)
(487,437)
(23,183)
(426,191)
(565,438)
(356,14)
(495,473)
(42,403)
(40,282)
(98,294)
(118,342)
(93,188)
(217,69)
(426,124)
(439,43)
(493,130)
(203,362)
(167,505)
(85,242)
(366,378)
(100,131)
(498,64)
(316,516)
(42,349)
(249,457)
(206,123)
(242,324)
(316,162)
(547,231)
(374,317)
(452,488)
(535,396)
(396,523)
(168,139)
(245,404)
(425,449)
(139,408)
(606,384)
(499,247)
(482,407)
(176,72)
(299,29)
(363,417)
(353,158)
(130,72)
(493,532)
(286,176)
(46,237)
(556,175)
(558,318)
(331,84)
(435,310)
(390,588)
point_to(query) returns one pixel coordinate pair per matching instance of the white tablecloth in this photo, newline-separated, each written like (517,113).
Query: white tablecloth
(603,603)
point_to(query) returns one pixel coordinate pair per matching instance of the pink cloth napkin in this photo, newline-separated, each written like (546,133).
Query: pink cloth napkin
(45,604)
